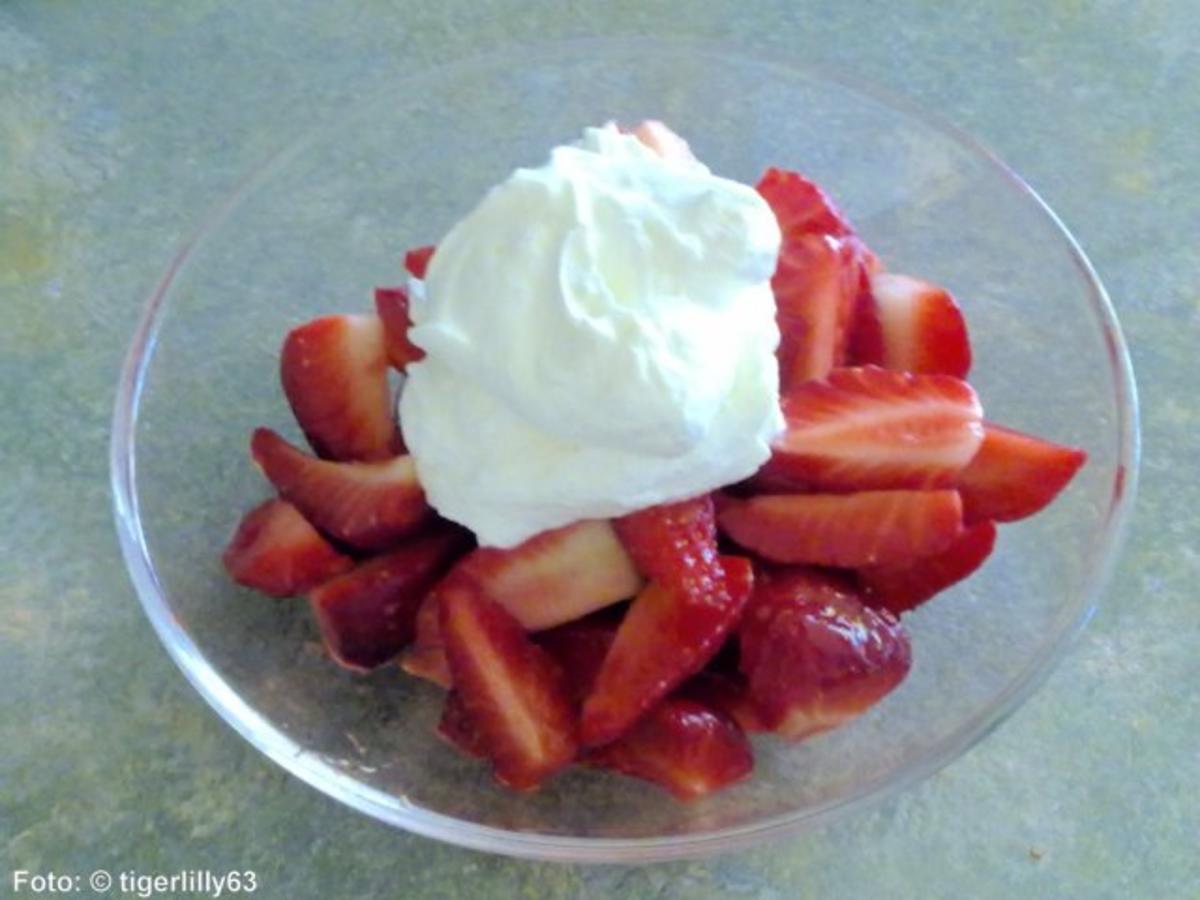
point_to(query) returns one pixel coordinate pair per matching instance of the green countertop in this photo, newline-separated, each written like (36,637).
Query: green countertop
(120,122)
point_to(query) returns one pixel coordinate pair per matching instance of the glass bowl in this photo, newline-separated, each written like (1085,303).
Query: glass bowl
(321,223)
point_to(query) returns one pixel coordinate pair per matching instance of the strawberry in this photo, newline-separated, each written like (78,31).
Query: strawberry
(814,655)
(556,576)
(391,305)
(334,373)
(276,551)
(425,657)
(580,647)
(801,207)
(682,745)
(866,428)
(514,694)
(727,693)
(910,325)
(903,587)
(845,530)
(674,544)
(1015,475)
(367,505)
(368,615)
(456,728)
(417,260)
(667,635)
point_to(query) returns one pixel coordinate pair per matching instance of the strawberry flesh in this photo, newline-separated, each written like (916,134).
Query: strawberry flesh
(391,305)
(904,587)
(844,530)
(675,544)
(366,505)
(416,261)
(367,615)
(514,693)
(334,373)
(909,325)
(814,655)
(425,657)
(276,551)
(456,728)
(1015,475)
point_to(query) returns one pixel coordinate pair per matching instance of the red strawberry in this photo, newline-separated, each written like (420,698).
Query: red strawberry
(276,551)
(1014,475)
(425,657)
(417,260)
(514,693)
(667,635)
(580,647)
(556,576)
(674,544)
(814,656)
(910,325)
(903,587)
(800,206)
(865,428)
(391,304)
(334,373)
(684,746)
(845,530)
(727,693)
(456,728)
(368,615)
(370,506)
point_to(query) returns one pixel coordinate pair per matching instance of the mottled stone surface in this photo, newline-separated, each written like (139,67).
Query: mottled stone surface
(121,122)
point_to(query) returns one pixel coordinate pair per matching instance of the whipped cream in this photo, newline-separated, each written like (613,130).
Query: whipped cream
(599,336)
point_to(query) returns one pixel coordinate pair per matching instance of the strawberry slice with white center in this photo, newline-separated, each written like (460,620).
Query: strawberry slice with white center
(367,615)
(800,205)
(814,655)
(682,745)
(275,550)
(367,505)
(667,635)
(843,530)
(334,373)
(391,305)
(909,325)
(903,587)
(1015,475)
(515,695)
(866,427)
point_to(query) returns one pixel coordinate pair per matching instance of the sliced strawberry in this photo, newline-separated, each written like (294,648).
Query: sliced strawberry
(391,304)
(368,615)
(728,693)
(579,647)
(334,373)
(910,325)
(556,576)
(667,635)
(514,693)
(846,530)
(674,544)
(370,506)
(904,587)
(865,428)
(1015,474)
(425,657)
(814,655)
(682,745)
(800,205)
(456,728)
(417,260)
(276,551)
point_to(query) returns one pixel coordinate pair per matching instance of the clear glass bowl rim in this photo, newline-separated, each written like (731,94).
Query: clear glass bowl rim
(256,729)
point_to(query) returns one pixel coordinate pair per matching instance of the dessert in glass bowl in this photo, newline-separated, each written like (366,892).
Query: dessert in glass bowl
(671,458)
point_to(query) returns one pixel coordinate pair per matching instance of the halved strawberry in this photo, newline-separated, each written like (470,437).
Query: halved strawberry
(368,505)
(456,728)
(726,692)
(674,544)
(682,745)
(909,325)
(276,551)
(814,655)
(800,205)
(368,615)
(514,693)
(334,373)
(845,530)
(666,635)
(1015,475)
(556,576)
(865,428)
(417,260)
(425,657)
(391,304)
(903,587)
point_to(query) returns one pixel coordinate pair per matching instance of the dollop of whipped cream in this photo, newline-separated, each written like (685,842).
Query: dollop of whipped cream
(600,337)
